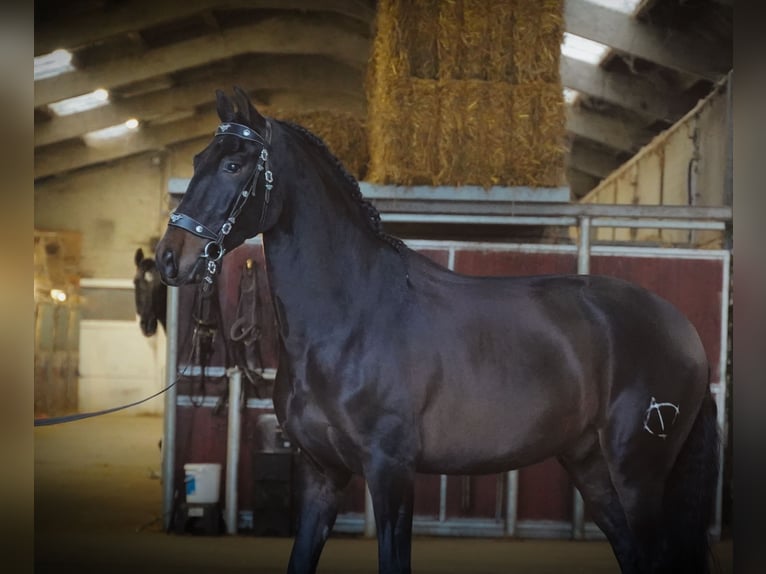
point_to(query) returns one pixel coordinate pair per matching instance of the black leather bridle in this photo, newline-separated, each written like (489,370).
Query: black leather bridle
(214,249)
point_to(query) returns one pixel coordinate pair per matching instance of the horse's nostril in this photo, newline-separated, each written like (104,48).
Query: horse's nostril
(169,264)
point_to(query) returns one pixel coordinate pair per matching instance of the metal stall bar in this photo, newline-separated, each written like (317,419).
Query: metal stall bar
(583,268)
(169,420)
(233,428)
(511,502)
(720,395)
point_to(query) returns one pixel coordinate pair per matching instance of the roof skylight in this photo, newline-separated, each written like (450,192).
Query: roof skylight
(583,49)
(53,64)
(624,6)
(80,103)
(105,135)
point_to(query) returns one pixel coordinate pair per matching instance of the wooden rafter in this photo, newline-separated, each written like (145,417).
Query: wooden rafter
(304,75)
(588,160)
(268,37)
(629,92)
(672,49)
(608,130)
(125,17)
(63,158)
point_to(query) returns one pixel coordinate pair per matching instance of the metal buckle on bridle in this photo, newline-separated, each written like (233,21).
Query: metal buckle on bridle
(213,251)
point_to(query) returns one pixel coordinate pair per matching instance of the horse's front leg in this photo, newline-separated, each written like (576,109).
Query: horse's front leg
(391,484)
(320,489)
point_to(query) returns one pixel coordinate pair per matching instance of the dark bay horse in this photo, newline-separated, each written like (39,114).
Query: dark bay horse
(150,294)
(391,364)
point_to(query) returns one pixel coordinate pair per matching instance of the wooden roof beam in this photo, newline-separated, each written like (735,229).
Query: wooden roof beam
(588,160)
(310,74)
(65,158)
(125,17)
(633,93)
(608,130)
(269,36)
(669,48)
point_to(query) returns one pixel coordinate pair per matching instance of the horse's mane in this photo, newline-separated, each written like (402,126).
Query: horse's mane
(368,211)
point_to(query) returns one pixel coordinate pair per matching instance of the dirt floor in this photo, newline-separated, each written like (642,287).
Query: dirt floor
(98,503)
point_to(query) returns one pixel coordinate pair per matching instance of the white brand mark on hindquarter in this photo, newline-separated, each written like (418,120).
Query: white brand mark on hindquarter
(654,417)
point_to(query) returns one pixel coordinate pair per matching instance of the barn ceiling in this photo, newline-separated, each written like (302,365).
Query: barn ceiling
(161,61)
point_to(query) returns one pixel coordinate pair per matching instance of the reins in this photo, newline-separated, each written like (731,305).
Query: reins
(214,250)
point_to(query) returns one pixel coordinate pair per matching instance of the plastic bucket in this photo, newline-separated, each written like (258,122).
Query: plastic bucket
(202,482)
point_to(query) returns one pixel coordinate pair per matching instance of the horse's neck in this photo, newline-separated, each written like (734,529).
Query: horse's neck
(324,260)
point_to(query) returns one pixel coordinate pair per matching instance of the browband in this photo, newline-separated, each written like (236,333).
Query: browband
(239,130)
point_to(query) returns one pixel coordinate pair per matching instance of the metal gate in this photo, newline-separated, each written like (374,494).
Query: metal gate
(533,502)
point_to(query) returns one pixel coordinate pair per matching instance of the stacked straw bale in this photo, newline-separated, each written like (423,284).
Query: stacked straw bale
(467,92)
(344,134)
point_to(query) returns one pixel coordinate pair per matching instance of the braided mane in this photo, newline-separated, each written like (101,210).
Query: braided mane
(369,213)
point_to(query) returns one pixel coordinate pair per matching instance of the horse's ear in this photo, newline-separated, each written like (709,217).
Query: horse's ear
(139,256)
(224,107)
(247,110)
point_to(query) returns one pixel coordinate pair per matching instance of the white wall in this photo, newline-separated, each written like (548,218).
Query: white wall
(118,365)
(117,208)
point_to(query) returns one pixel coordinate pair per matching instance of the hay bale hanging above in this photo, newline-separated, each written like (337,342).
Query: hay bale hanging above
(467,92)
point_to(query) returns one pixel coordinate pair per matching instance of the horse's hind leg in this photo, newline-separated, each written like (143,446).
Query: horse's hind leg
(320,491)
(587,466)
(667,487)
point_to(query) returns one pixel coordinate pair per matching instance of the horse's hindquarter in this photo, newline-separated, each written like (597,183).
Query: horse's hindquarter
(509,370)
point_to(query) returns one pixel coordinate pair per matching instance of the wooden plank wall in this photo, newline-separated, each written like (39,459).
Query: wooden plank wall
(684,165)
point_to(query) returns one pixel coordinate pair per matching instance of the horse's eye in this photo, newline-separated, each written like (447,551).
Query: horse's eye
(231,167)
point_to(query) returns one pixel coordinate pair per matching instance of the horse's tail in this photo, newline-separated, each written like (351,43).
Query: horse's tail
(690,494)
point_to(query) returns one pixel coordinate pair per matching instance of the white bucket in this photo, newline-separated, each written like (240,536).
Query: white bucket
(202,482)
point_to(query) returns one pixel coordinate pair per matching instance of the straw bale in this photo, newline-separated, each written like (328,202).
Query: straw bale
(466,92)
(344,134)
(537,129)
(404,124)
(474,42)
(469,132)
(537,32)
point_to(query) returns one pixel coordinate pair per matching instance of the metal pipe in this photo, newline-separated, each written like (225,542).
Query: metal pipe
(477,219)
(369,513)
(583,268)
(578,516)
(583,247)
(169,419)
(442,498)
(657,223)
(232,449)
(722,391)
(511,503)
(520,209)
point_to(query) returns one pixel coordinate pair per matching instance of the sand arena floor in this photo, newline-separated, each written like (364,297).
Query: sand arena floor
(98,503)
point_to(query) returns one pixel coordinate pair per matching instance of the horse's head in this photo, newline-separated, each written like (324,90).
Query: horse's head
(230,197)
(149,293)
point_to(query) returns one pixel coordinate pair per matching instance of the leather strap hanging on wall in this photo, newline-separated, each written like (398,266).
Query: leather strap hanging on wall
(246,332)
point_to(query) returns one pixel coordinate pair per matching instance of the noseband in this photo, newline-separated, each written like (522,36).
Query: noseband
(214,249)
